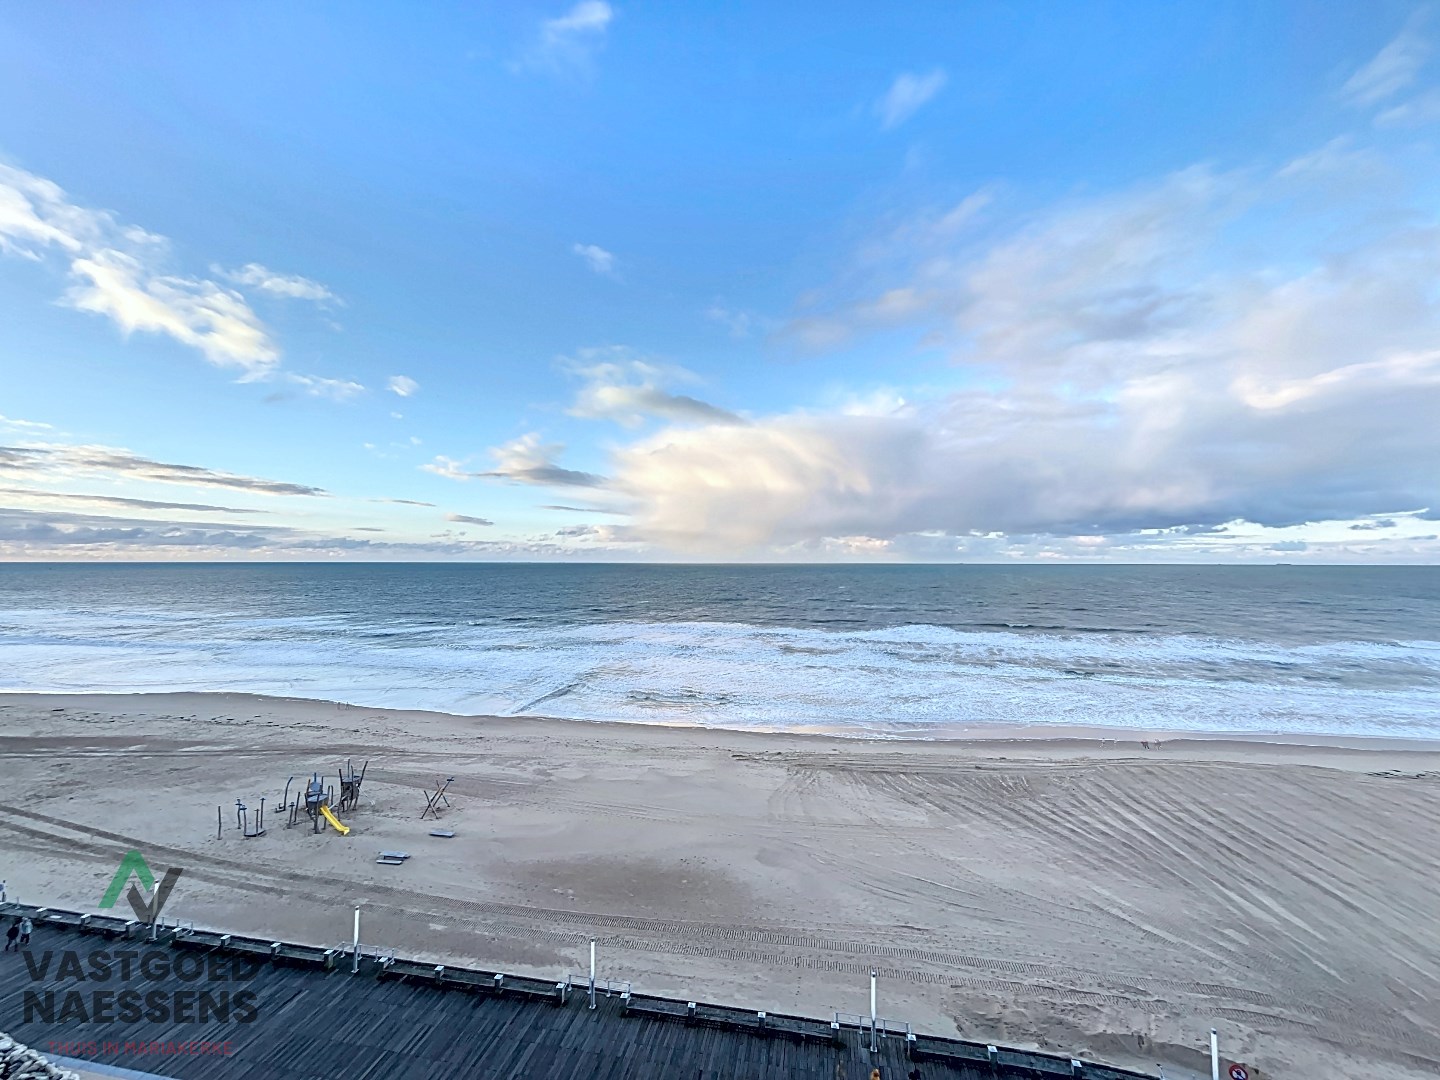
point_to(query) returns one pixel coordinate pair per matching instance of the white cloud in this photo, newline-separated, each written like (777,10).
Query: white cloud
(24,425)
(1422,109)
(289,286)
(569,42)
(332,389)
(449,468)
(586,18)
(36,461)
(906,95)
(125,503)
(597,258)
(621,387)
(402,385)
(965,211)
(197,313)
(582,509)
(35,214)
(117,272)
(739,323)
(1392,69)
(525,460)
(466,519)
(596,534)
(880,402)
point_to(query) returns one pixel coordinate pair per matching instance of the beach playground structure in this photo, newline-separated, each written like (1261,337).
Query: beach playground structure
(350,782)
(251,823)
(316,800)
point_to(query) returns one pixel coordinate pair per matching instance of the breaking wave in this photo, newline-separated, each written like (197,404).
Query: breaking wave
(915,680)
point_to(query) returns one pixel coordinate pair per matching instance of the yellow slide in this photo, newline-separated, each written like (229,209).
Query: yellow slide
(343,830)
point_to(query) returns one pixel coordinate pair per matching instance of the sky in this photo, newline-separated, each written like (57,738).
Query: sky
(982,281)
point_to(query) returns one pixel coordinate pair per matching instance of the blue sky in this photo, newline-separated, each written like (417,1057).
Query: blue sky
(989,281)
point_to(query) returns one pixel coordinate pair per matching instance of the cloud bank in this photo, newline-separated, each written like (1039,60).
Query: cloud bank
(1197,350)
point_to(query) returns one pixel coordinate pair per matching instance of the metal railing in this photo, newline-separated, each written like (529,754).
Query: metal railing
(878,1027)
(602,986)
(380,955)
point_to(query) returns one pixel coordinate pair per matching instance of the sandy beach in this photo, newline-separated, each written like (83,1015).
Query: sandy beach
(1083,895)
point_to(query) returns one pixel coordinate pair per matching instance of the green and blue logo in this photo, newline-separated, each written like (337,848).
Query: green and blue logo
(146,904)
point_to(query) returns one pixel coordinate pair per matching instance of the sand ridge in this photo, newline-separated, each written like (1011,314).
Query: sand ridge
(1082,896)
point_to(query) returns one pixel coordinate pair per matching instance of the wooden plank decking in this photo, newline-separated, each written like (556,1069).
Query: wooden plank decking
(317,1024)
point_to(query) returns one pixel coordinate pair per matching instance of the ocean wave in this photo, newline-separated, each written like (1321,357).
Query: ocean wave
(911,677)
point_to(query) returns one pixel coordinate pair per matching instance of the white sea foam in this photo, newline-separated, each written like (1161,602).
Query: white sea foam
(898,680)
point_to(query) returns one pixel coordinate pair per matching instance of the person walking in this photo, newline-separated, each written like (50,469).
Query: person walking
(11,935)
(26,928)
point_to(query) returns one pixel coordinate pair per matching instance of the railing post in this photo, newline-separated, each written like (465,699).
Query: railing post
(355,965)
(592,973)
(1214,1054)
(873,975)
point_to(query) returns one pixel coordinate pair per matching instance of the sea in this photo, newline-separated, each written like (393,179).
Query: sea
(891,651)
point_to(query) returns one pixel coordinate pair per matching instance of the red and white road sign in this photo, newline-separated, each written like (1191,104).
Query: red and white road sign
(1239,1072)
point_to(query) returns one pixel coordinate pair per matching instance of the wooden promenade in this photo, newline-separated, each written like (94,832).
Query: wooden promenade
(399,1020)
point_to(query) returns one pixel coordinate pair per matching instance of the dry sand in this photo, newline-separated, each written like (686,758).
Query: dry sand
(1081,896)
